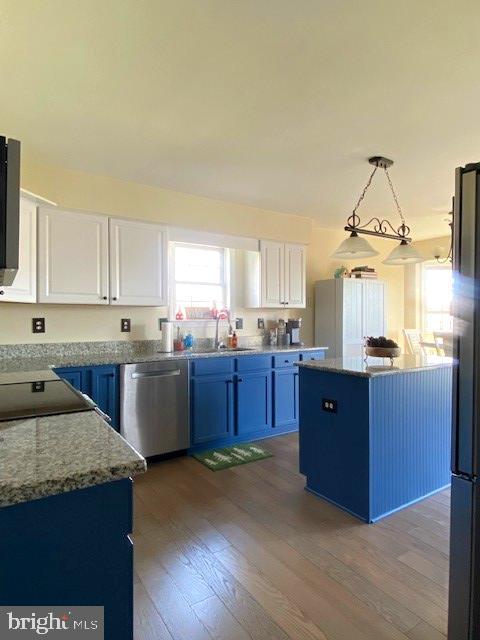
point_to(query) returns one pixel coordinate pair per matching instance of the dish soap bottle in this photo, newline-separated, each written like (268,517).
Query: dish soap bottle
(234,340)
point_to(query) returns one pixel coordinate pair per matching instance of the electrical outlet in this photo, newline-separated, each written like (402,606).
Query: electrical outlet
(238,323)
(38,325)
(260,323)
(125,325)
(329,405)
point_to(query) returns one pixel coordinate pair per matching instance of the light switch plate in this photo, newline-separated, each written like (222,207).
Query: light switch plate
(260,323)
(238,323)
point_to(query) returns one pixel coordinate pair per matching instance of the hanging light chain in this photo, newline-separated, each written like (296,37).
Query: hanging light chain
(362,195)
(400,213)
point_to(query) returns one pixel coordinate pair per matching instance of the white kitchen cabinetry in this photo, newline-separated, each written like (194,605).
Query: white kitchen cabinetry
(138,263)
(85,258)
(72,257)
(275,277)
(346,311)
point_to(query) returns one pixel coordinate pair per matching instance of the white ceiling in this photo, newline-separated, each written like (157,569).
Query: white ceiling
(271,103)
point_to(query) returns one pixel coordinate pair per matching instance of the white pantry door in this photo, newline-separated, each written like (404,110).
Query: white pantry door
(138,263)
(72,257)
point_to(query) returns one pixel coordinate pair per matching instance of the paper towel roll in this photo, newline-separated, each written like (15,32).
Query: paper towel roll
(167,337)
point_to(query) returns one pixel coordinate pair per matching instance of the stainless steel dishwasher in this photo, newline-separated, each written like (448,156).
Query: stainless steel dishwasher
(155,406)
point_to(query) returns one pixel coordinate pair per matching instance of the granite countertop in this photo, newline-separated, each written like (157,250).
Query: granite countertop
(92,358)
(356,366)
(40,457)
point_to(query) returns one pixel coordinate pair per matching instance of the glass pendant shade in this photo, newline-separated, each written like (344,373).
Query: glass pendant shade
(403,254)
(354,247)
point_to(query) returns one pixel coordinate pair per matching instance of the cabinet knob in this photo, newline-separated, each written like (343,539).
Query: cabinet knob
(239,379)
(104,297)
(114,298)
(2,292)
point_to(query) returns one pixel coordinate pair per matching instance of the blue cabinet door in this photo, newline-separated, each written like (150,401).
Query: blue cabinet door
(212,408)
(285,398)
(254,402)
(104,391)
(75,376)
(100,384)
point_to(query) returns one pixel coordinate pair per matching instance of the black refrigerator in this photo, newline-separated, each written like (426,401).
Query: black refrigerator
(464,596)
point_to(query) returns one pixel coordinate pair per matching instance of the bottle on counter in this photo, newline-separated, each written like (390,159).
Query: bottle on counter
(178,344)
(230,337)
(234,340)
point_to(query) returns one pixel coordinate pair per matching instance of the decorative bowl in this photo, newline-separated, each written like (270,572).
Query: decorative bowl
(383,352)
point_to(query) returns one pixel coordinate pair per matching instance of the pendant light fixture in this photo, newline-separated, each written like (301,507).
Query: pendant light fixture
(355,247)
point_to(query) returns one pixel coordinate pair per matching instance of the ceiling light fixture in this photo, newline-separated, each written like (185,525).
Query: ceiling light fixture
(357,248)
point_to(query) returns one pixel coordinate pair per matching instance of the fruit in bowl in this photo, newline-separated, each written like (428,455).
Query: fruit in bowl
(381,347)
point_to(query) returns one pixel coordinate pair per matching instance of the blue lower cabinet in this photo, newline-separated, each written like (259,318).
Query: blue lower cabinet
(73,375)
(72,549)
(212,413)
(253,402)
(100,383)
(105,391)
(285,397)
(313,355)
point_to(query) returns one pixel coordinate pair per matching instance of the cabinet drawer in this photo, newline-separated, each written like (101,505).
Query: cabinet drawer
(313,355)
(286,359)
(254,363)
(205,366)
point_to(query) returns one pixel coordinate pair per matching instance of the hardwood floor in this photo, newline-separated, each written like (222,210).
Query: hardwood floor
(248,553)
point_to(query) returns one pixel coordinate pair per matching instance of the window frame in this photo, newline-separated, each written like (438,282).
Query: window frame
(225,282)
(430,266)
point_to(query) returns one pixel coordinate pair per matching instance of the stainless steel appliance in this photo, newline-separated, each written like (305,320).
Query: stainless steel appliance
(464,601)
(293,330)
(9,209)
(155,406)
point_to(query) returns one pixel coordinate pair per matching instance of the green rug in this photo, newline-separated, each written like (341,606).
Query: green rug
(218,459)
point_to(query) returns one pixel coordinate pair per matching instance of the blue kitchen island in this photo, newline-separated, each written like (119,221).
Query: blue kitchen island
(375,438)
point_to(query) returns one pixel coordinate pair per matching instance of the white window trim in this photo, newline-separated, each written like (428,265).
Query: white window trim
(431,264)
(226,275)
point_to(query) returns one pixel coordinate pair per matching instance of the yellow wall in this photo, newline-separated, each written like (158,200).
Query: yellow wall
(73,189)
(413,279)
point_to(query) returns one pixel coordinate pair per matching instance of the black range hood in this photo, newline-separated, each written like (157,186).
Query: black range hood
(9,209)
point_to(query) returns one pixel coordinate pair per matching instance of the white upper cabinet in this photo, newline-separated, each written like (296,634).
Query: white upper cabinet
(138,263)
(72,257)
(272,265)
(280,270)
(295,270)
(24,288)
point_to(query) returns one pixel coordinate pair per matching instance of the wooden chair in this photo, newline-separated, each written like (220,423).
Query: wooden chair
(413,340)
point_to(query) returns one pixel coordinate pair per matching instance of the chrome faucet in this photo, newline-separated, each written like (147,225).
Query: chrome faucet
(219,343)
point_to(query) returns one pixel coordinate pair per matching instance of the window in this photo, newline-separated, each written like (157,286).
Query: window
(437,298)
(201,277)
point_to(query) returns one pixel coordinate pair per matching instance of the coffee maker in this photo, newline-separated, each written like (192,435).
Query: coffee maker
(293,330)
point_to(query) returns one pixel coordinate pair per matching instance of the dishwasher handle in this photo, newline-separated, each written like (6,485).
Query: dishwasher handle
(156,374)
